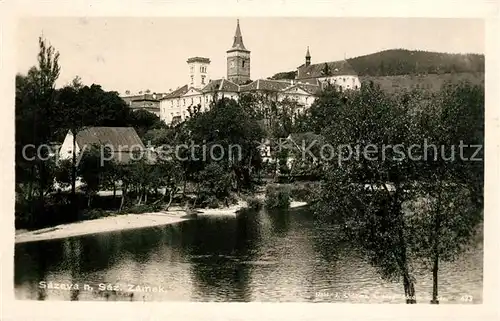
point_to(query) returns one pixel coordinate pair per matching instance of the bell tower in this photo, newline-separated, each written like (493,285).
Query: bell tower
(238,59)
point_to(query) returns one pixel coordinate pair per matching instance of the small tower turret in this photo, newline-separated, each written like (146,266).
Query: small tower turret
(308,57)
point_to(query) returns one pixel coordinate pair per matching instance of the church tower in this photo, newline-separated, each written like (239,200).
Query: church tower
(238,59)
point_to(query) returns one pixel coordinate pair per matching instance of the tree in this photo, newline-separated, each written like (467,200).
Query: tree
(324,111)
(236,130)
(214,185)
(170,176)
(142,177)
(451,204)
(144,120)
(92,171)
(326,70)
(34,109)
(365,193)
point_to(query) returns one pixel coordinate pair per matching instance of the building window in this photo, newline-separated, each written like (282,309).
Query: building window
(184,102)
(191,68)
(191,101)
(202,80)
(192,80)
(243,64)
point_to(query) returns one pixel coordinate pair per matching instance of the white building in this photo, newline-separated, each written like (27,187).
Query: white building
(198,72)
(337,73)
(201,90)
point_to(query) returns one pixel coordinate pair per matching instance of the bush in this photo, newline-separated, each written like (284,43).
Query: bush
(145,208)
(305,192)
(277,197)
(254,203)
(208,200)
(95,213)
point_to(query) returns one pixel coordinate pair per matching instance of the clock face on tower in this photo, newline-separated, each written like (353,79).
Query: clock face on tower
(232,64)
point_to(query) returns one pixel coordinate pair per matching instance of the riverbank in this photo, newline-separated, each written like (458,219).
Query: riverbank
(126,222)
(101,225)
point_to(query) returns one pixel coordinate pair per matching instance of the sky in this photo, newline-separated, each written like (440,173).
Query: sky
(142,53)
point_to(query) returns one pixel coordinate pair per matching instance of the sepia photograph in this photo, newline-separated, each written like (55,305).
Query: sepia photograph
(249,159)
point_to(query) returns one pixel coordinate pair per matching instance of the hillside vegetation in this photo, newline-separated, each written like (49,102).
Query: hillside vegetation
(409,62)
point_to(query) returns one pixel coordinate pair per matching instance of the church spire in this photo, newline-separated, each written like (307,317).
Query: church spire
(238,38)
(308,57)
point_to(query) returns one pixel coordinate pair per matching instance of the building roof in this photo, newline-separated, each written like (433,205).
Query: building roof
(311,86)
(266,85)
(222,85)
(178,92)
(335,68)
(308,88)
(145,97)
(198,59)
(238,40)
(122,139)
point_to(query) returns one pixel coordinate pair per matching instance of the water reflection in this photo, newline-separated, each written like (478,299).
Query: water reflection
(257,256)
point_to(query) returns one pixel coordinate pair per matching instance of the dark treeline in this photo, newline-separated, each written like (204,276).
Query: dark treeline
(408,62)
(44,115)
(403,62)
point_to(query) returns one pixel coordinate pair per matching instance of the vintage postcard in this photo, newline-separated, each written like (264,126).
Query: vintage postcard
(167,160)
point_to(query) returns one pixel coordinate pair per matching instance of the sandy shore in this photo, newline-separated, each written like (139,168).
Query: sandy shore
(228,211)
(295,204)
(233,210)
(101,225)
(125,222)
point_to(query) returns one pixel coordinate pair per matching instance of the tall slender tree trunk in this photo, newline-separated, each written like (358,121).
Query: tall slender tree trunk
(73,173)
(30,183)
(408,283)
(435,269)
(435,249)
(89,201)
(184,188)
(409,289)
(124,194)
(169,200)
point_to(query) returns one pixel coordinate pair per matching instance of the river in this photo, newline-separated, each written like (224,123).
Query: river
(256,256)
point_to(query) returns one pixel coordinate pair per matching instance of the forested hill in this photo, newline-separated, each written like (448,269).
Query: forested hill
(402,62)
(407,62)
